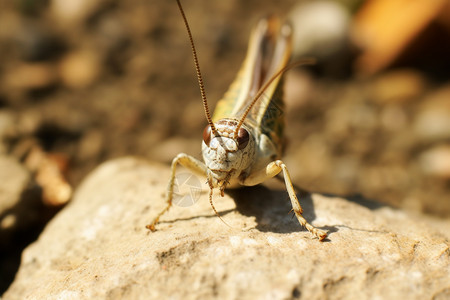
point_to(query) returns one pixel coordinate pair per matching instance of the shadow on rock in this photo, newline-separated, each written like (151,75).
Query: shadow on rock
(272,208)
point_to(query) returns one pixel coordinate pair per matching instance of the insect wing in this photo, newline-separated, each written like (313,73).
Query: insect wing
(268,52)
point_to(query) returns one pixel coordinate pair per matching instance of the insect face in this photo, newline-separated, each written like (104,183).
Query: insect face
(225,152)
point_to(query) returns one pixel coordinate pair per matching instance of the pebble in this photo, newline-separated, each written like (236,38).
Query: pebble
(398,86)
(80,69)
(30,76)
(436,161)
(433,120)
(320,28)
(70,12)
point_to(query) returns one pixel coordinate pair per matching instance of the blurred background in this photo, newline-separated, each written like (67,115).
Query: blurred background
(85,81)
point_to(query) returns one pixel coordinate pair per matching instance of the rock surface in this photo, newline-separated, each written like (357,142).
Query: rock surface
(98,248)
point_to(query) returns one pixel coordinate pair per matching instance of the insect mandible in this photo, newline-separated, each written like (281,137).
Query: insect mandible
(242,143)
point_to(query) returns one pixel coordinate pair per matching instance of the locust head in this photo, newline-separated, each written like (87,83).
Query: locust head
(228,152)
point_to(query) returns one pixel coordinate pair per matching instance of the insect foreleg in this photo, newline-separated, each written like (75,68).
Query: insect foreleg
(188,162)
(271,170)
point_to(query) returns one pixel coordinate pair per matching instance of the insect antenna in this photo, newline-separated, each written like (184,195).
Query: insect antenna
(306,61)
(197,69)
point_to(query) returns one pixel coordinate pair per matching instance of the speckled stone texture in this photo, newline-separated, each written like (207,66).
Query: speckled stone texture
(98,247)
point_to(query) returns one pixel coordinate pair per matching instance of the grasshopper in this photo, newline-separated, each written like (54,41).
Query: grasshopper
(243,140)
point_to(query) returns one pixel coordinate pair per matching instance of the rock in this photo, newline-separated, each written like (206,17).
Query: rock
(398,86)
(48,171)
(73,12)
(80,69)
(436,162)
(432,123)
(31,76)
(97,247)
(320,28)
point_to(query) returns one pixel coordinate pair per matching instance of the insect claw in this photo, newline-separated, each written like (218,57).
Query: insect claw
(151,227)
(322,236)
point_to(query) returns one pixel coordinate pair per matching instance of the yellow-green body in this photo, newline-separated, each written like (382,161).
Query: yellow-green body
(243,143)
(268,52)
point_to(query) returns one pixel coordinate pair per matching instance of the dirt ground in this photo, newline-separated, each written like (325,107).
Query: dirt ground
(111,78)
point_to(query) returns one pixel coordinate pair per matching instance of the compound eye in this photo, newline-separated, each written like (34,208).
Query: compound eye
(207,135)
(243,138)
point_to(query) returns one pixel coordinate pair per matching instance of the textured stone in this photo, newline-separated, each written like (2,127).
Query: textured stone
(97,247)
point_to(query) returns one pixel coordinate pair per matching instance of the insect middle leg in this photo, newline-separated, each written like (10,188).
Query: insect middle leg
(271,170)
(188,162)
